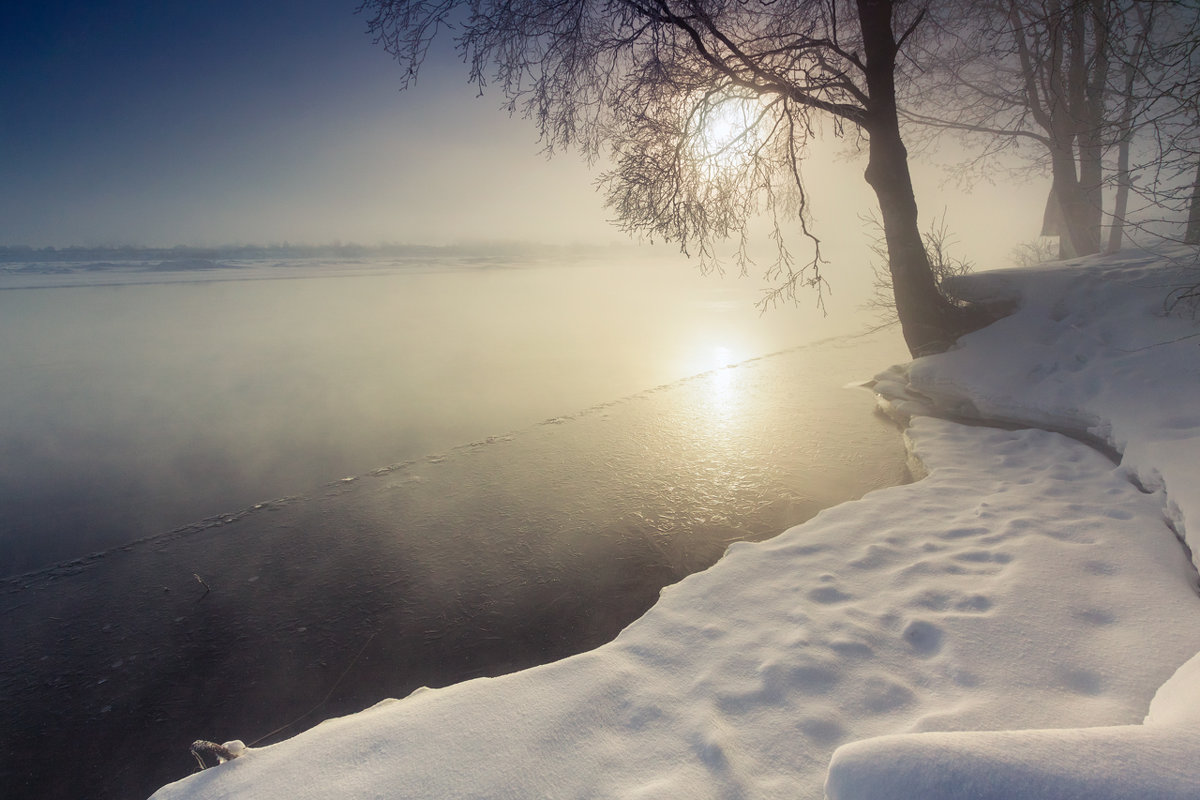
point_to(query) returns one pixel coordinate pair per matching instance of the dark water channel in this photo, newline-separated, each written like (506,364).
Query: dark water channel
(491,557)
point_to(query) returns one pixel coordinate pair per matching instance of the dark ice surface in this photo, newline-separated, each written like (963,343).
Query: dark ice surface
(491,557)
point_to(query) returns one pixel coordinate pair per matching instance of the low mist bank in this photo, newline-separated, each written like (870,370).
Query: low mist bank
(129,410)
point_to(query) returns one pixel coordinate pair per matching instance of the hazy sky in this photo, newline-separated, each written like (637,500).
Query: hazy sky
(165,122)
(162,122)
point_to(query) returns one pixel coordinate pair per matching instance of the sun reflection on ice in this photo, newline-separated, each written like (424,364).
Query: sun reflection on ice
(722,380)
(723,357)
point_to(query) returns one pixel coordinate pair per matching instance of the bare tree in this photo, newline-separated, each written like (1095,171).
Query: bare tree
(706,108)
(1101,89)
(1009,72)
(1164,173)
(1132,68)
(1192,234)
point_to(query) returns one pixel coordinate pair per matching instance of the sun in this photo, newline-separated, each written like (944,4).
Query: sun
(725,133)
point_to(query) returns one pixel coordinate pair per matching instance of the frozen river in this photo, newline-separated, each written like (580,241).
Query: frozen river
(242,501)
(137,398)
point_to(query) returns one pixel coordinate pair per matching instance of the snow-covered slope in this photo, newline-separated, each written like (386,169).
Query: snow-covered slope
(1090,351)
(1025,583)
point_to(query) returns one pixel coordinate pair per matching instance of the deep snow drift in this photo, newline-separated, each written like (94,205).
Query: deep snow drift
(1000,627)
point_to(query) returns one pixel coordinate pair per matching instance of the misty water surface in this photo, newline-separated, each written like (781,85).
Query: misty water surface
(383,506)
(133,409)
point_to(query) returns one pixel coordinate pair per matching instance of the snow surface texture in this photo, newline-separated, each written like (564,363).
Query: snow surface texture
(1090,352)
(1025,583)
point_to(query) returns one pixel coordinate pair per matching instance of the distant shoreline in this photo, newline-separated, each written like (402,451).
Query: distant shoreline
(76,253)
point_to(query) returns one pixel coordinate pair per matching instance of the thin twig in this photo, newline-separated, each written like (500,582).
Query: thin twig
(328,694)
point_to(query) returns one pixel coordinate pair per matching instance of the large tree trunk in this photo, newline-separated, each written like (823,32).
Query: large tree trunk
(1079,234)
(1052,221)
(929,321)
(1121,201)
(1125,132)
(1091,203)
(1075,132)
(1064,96)
(1192,236)
(1069,220)
(1125,135)
(1088,112)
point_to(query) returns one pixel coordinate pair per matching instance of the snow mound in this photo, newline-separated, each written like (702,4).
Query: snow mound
(1093,352)
(1156,759)
(1114,763)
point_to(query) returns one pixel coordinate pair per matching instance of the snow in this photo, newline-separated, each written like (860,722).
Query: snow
(1011,625)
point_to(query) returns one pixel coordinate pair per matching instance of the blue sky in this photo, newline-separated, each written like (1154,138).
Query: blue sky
(160,123)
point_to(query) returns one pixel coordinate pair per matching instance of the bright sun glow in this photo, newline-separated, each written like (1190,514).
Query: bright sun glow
(722,385)
(726,132)
(722,357)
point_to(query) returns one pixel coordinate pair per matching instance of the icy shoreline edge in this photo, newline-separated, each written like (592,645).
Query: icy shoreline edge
(1026,590)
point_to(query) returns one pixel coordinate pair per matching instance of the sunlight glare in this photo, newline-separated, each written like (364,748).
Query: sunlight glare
(722,356)
(722,387)
(726,133)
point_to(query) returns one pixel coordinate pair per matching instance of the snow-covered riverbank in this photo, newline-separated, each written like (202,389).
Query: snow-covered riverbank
(1026,583)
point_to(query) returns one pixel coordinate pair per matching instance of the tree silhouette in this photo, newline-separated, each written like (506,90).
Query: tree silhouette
(706,109)
(1080,80)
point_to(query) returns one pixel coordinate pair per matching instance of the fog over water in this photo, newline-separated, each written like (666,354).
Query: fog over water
(283,500)
(128,410)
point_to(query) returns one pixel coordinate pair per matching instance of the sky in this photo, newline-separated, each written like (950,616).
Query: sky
(164,123)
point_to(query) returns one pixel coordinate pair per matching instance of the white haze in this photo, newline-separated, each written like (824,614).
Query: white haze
(131,409)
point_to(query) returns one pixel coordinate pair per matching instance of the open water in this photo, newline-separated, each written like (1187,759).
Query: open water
(251,505)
